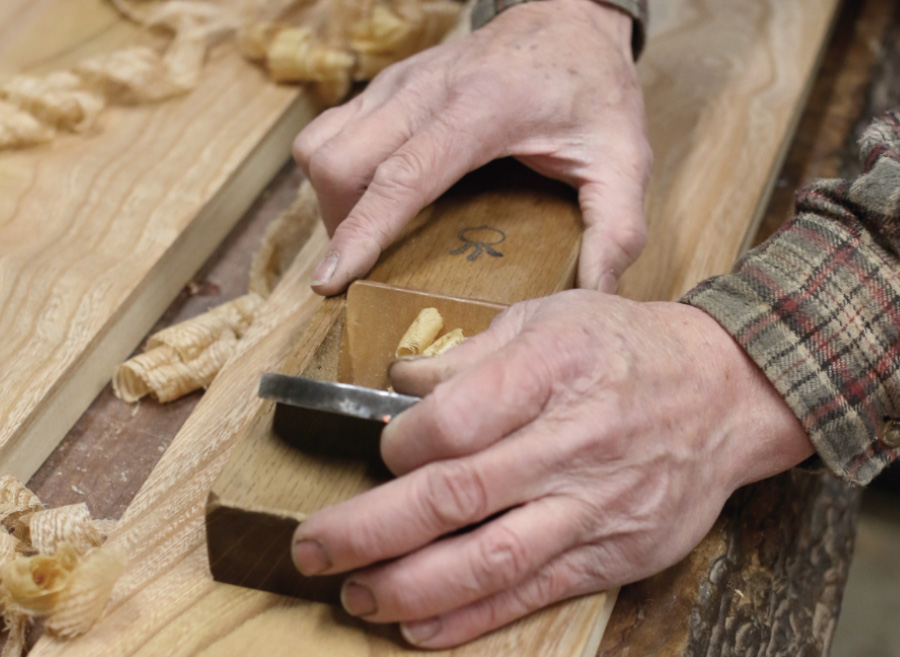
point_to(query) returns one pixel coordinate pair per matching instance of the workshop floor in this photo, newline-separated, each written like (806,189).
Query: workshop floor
(869,625)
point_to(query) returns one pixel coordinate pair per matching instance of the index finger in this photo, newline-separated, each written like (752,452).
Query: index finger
(405,182)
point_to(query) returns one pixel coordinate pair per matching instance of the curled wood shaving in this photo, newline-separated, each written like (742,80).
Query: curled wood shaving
(88,591)
(187,356)
(295,54)
(20,129)
(333,43)
(72,524)
(282,241)
(59,571)
(445,343)
(34,109)
(15,501)
(58,100)
(421,338)
(421,333)
(32,584)
(132,76)
(191,338)
(339,42)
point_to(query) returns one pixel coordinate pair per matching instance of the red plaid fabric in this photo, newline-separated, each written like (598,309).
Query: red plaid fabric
(485,10)
(817,307)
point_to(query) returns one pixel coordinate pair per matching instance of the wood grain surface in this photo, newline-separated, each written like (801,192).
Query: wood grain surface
(99,232)
(166,604)
(724,82)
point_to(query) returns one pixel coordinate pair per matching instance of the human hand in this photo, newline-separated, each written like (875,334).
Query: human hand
(610,432)
(551,83)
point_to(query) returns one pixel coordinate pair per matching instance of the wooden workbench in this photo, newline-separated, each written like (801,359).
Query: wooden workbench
(768,578)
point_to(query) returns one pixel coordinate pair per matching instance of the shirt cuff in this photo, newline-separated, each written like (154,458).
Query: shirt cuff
(485,10)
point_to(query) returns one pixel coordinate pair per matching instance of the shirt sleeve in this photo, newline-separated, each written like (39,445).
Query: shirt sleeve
(485,10)
(817,307)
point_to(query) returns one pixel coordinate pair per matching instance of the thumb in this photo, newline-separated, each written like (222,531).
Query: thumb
(416,174)
(420,375)
(615,231)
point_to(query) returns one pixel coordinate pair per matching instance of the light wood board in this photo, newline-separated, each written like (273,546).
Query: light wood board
(99,232)
(708,62)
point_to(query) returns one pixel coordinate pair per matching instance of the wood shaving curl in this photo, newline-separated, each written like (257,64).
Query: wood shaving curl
(19,128)
(187,356)
(56,569)
(337,43)
(282,241)
(15,501)
(421,338)
(35,109)
(330,45)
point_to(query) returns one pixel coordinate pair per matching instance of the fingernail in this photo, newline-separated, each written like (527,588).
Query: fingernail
(608,283)
(326,269)
(405,359)
(310,557)
(419,632)
(358,600)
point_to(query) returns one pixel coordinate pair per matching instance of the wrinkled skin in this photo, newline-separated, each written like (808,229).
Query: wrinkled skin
(551,83)
(611,431)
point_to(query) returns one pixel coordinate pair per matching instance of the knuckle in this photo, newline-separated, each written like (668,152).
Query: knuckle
(455,495)
(366,231)
(403,172)
(447,432)
(501,560)
(362,543)
(633,240)
(545,587)
(404,597)
(327,166)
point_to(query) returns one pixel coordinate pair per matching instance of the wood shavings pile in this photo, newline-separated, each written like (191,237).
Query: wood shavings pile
(327,43)
(338,42)
(34,109)
(52,566)
(187,356)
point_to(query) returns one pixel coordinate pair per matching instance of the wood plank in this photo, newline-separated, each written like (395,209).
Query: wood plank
(167,605)
(98,233)
(724,83)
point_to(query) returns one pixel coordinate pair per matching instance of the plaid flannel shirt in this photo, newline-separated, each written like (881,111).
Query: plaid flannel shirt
(485,10)
(817,307)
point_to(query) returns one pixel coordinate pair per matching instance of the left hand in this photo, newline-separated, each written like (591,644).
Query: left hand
(610,432)
(552,84)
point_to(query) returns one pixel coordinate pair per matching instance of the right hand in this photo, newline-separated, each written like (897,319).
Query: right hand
(610,432)
(552,83)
